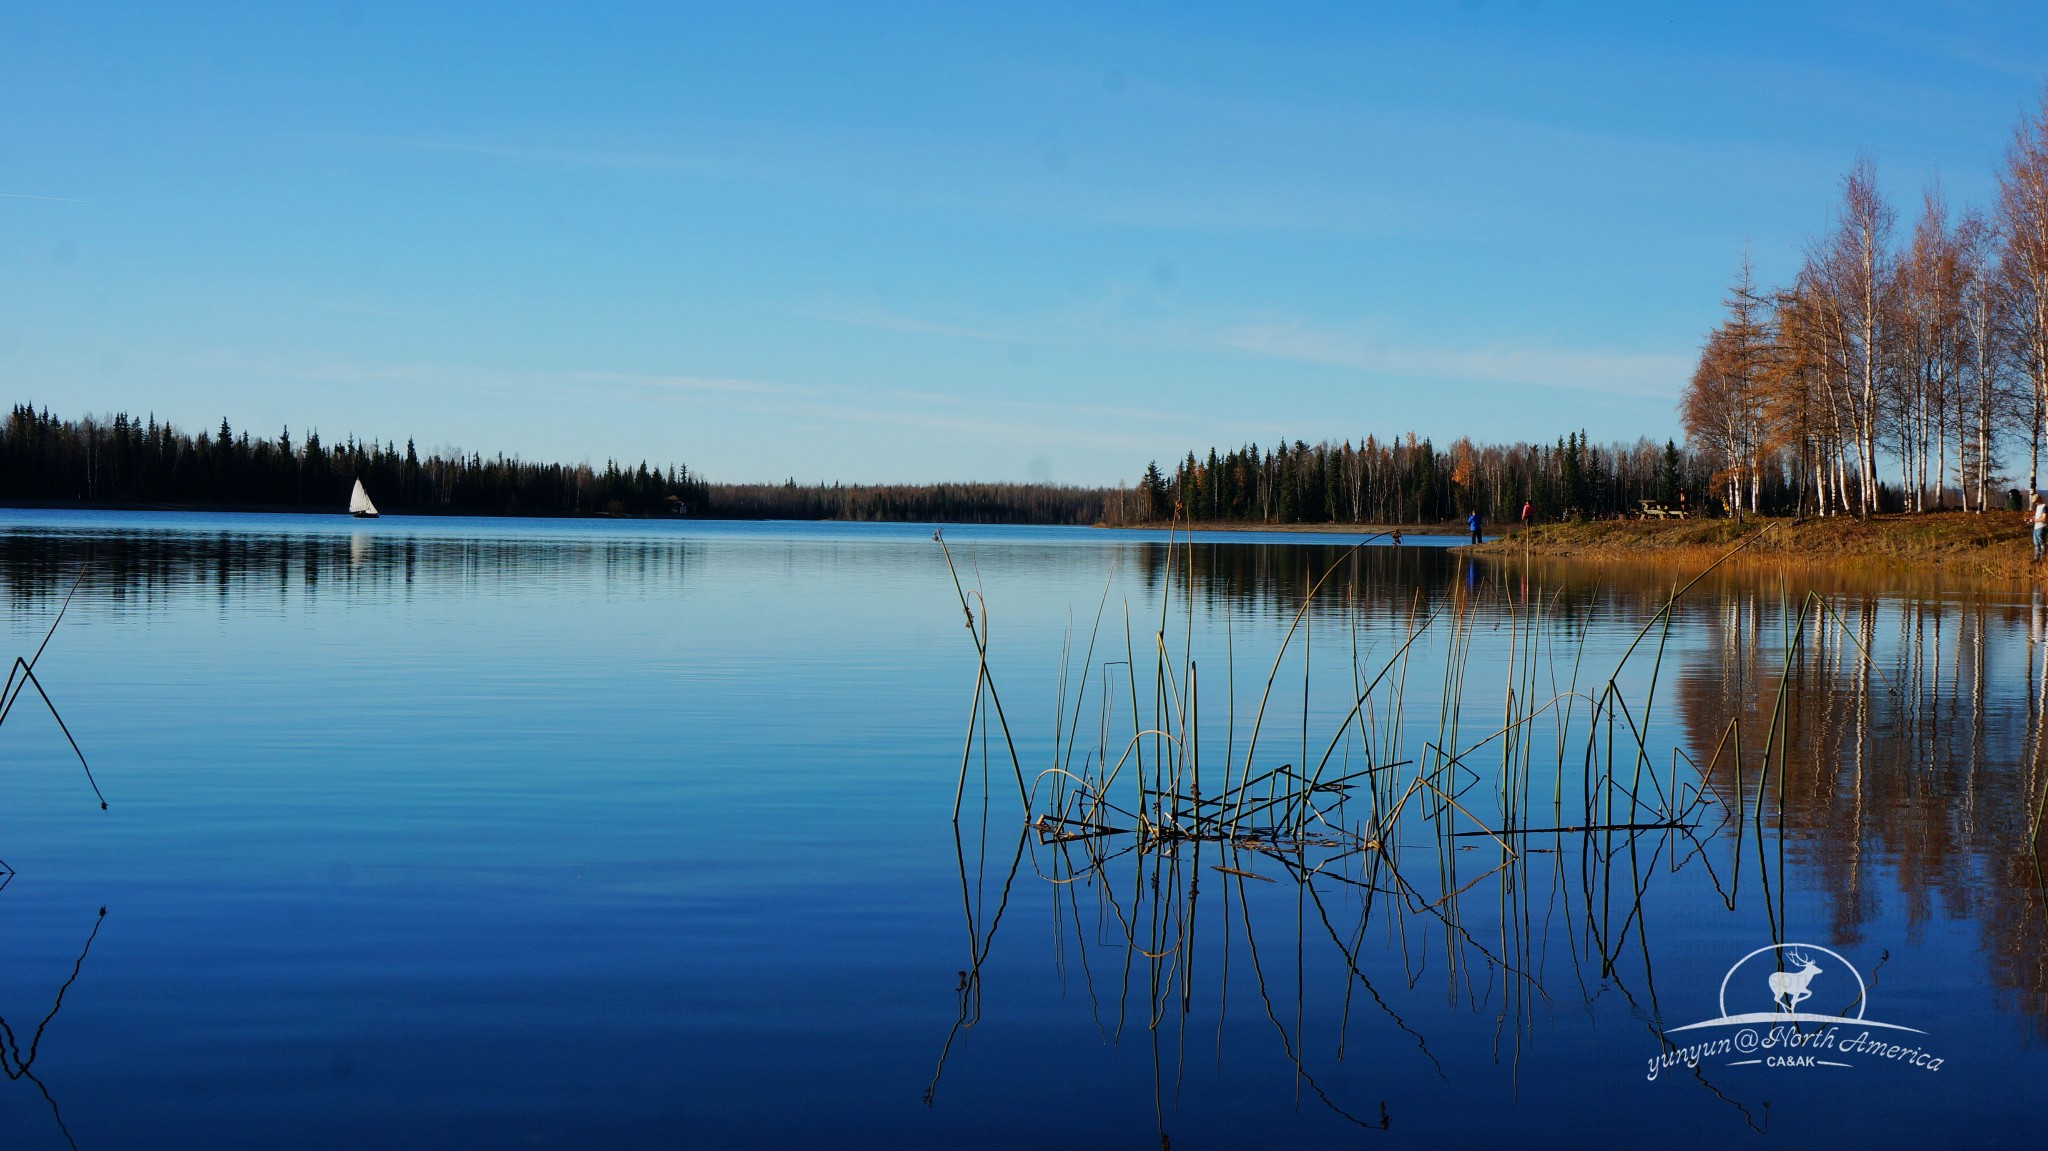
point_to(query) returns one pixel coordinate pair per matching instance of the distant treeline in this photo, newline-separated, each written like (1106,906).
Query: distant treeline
(1409,480)
(124,459)
(129,460)
(915,503)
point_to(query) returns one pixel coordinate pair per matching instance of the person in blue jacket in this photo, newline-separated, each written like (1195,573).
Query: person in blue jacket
(1472,521)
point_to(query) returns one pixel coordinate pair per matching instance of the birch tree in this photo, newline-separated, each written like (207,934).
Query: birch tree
(2023,233)
(1854,267)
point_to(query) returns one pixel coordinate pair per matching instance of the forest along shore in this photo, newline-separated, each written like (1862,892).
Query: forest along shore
(1994,544)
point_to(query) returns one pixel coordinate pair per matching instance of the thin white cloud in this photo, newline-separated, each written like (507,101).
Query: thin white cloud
(1365,347)
(563,157)
(944,399)
(988,421)
(868,316)
(348,373)
(985,176)
(464,376)
(696,383)
(1643,374)
(52,199)
(1151,414)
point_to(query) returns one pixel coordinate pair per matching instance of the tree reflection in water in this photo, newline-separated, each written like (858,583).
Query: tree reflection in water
(1496,813)
(1916,778)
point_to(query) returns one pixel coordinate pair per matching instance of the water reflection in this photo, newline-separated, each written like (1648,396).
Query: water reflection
(18,1063)
(21,675)
(1276,580)
(1915,781)
(138,569)
(1326,949)
(1880,751)
(678,803)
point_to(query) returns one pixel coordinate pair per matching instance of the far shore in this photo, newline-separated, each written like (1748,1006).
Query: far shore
(262,509)
(1978,545)
(1455,528)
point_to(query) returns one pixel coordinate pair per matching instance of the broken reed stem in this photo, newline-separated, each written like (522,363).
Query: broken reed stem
(1291,809)
(25,670)
(980,638)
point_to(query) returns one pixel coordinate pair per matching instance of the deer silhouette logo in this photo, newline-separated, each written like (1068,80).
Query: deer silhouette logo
(1788,988)
(1789,970)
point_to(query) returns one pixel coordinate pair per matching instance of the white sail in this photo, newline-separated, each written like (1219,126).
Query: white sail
(359,502)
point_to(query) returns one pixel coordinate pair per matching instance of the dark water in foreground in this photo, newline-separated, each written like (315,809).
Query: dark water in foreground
(485,834)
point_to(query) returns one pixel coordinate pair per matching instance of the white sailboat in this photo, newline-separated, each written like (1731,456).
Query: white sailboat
(359,504)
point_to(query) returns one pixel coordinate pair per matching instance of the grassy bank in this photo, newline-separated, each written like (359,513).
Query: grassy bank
(1992,544)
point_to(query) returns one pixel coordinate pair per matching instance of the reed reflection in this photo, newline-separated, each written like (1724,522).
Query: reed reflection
(21,675)
(19,1062)
(1915,777)
(1415,837)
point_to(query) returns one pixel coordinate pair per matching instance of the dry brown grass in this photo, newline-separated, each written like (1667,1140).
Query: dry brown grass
(1990,544)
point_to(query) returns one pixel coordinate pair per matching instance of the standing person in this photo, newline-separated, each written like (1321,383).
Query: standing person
(1527,511)
(2040,518)
(1472,521)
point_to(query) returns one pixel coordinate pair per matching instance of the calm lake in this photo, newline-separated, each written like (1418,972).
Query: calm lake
(485,833)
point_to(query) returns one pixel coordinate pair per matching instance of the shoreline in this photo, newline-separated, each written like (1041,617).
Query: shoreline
(1993,545)
(1978,545)
(201,507)
(1454,528)
(290,510)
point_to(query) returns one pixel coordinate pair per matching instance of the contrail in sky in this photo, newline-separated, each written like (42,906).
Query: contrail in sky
(58,199)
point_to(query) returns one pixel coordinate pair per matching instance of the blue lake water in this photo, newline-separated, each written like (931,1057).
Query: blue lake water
(478,833)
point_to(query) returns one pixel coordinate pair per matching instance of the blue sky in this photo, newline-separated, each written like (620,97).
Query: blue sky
(904,242)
